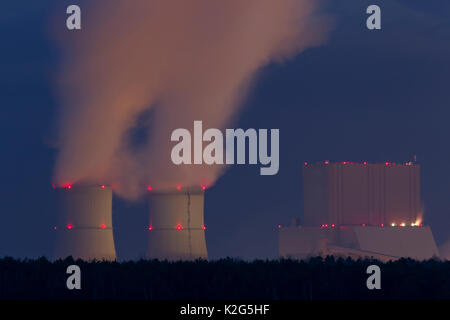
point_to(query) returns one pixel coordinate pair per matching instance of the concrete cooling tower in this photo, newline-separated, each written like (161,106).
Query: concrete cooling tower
(84,228)
(176,228)
(360,210)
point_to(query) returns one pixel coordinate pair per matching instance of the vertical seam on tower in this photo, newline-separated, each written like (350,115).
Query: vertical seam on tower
(189,223)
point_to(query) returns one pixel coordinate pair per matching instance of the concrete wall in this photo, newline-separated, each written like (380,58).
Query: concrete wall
(413,242)
(316,195)
(385,243)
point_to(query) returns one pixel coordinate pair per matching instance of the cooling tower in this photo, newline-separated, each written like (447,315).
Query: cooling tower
(84,228)
(176,229)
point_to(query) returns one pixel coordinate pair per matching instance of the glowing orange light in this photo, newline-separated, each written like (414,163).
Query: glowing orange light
(418,222)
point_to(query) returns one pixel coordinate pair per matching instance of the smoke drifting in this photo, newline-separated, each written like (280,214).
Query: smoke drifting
(173,62)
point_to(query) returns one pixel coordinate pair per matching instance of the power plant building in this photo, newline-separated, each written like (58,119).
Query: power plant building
(360,210)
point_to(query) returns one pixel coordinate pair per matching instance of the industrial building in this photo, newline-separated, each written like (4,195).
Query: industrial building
(84,223)
(176,228)
(360,210)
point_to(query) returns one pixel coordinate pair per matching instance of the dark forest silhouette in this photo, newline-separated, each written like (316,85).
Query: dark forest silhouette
(315,279)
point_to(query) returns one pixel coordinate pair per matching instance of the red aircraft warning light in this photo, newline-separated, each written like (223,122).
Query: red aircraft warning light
(103,226)
(150,227)
(149,188)
(204,227)
(179,227)
(69,226)
(178,187)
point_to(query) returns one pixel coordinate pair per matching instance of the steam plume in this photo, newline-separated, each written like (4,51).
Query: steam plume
(183,61)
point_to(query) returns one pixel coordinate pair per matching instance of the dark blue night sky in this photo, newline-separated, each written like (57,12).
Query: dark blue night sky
(362,96)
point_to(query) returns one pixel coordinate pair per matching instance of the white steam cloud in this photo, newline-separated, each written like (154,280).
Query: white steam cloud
(183,61)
